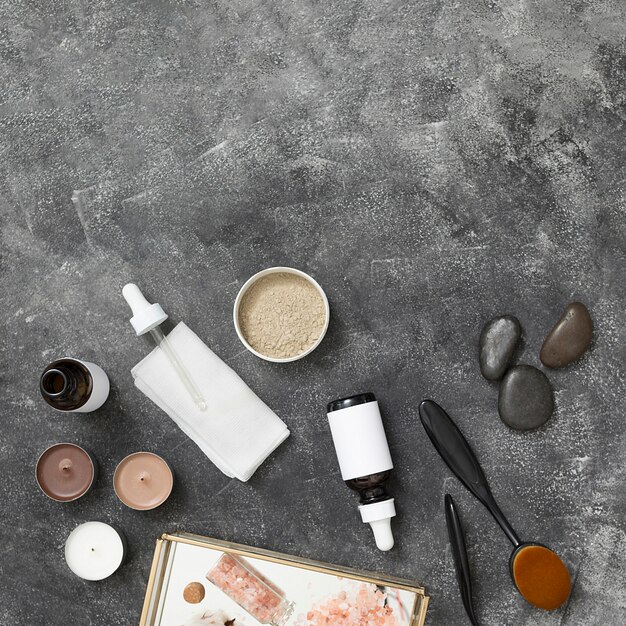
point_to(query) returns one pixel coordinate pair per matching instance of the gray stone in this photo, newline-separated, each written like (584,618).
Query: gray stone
(526,398)
(498,341)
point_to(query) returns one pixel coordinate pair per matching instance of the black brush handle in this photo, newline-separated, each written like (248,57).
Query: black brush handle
(459,554)
(459,457)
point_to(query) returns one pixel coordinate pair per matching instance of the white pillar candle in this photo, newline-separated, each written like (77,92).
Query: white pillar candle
(94,550)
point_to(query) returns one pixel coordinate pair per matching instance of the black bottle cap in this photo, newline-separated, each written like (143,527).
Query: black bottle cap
(344,403)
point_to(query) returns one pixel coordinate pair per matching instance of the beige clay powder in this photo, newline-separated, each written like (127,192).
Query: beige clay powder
(282,315)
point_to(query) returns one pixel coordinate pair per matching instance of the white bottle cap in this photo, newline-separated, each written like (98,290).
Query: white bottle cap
(146,316)
(378,516)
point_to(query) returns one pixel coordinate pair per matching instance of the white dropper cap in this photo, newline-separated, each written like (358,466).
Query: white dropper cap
(146,316)
(378,516)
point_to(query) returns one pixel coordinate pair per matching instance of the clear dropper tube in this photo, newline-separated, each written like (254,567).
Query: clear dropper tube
(163,342)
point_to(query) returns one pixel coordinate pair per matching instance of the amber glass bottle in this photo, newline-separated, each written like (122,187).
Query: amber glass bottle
(73,385)
(364,460)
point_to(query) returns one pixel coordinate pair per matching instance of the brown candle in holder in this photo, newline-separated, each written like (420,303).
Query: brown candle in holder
(65,472)
(143,481)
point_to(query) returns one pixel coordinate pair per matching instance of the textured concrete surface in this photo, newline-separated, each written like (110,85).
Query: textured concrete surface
(431,163)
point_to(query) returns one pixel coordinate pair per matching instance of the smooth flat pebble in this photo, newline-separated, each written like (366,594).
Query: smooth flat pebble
(498,341)
(570,337)
(526,399)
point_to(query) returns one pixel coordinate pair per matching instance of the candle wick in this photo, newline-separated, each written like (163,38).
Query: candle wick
(93,549)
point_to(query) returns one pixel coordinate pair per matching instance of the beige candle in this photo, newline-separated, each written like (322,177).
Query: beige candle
(143,481)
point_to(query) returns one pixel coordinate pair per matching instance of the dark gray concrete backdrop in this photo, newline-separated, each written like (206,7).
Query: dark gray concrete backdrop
(431,163)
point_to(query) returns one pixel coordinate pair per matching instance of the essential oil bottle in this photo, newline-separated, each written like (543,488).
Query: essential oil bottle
(73,385)
(364,459)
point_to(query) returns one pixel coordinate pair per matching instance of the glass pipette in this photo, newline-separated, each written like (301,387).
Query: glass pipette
(148,318)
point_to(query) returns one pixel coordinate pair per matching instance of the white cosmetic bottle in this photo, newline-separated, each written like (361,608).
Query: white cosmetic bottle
(364,459)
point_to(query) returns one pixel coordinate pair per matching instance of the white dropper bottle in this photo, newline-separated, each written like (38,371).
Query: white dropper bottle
(147,318)
(364,460)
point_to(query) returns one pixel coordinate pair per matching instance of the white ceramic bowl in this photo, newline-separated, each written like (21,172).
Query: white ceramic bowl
(250,282)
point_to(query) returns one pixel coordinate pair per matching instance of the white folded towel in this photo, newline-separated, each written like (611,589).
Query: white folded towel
(238,431)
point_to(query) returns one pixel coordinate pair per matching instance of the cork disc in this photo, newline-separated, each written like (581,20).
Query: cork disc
(194,593)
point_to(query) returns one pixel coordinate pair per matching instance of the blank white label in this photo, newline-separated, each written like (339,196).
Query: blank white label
(360,441)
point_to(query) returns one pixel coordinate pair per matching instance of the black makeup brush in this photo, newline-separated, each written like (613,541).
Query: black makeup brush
(459,554)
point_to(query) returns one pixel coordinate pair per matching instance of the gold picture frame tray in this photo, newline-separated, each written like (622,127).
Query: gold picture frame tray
(163,552)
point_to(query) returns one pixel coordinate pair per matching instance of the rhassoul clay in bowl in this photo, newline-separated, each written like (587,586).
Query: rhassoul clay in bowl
(282,315)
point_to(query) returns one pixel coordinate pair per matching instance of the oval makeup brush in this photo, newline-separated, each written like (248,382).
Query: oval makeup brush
(459,555)
(538,573)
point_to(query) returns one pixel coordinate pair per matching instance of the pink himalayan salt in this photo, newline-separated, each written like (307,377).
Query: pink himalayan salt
(249,588)
(365,607)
